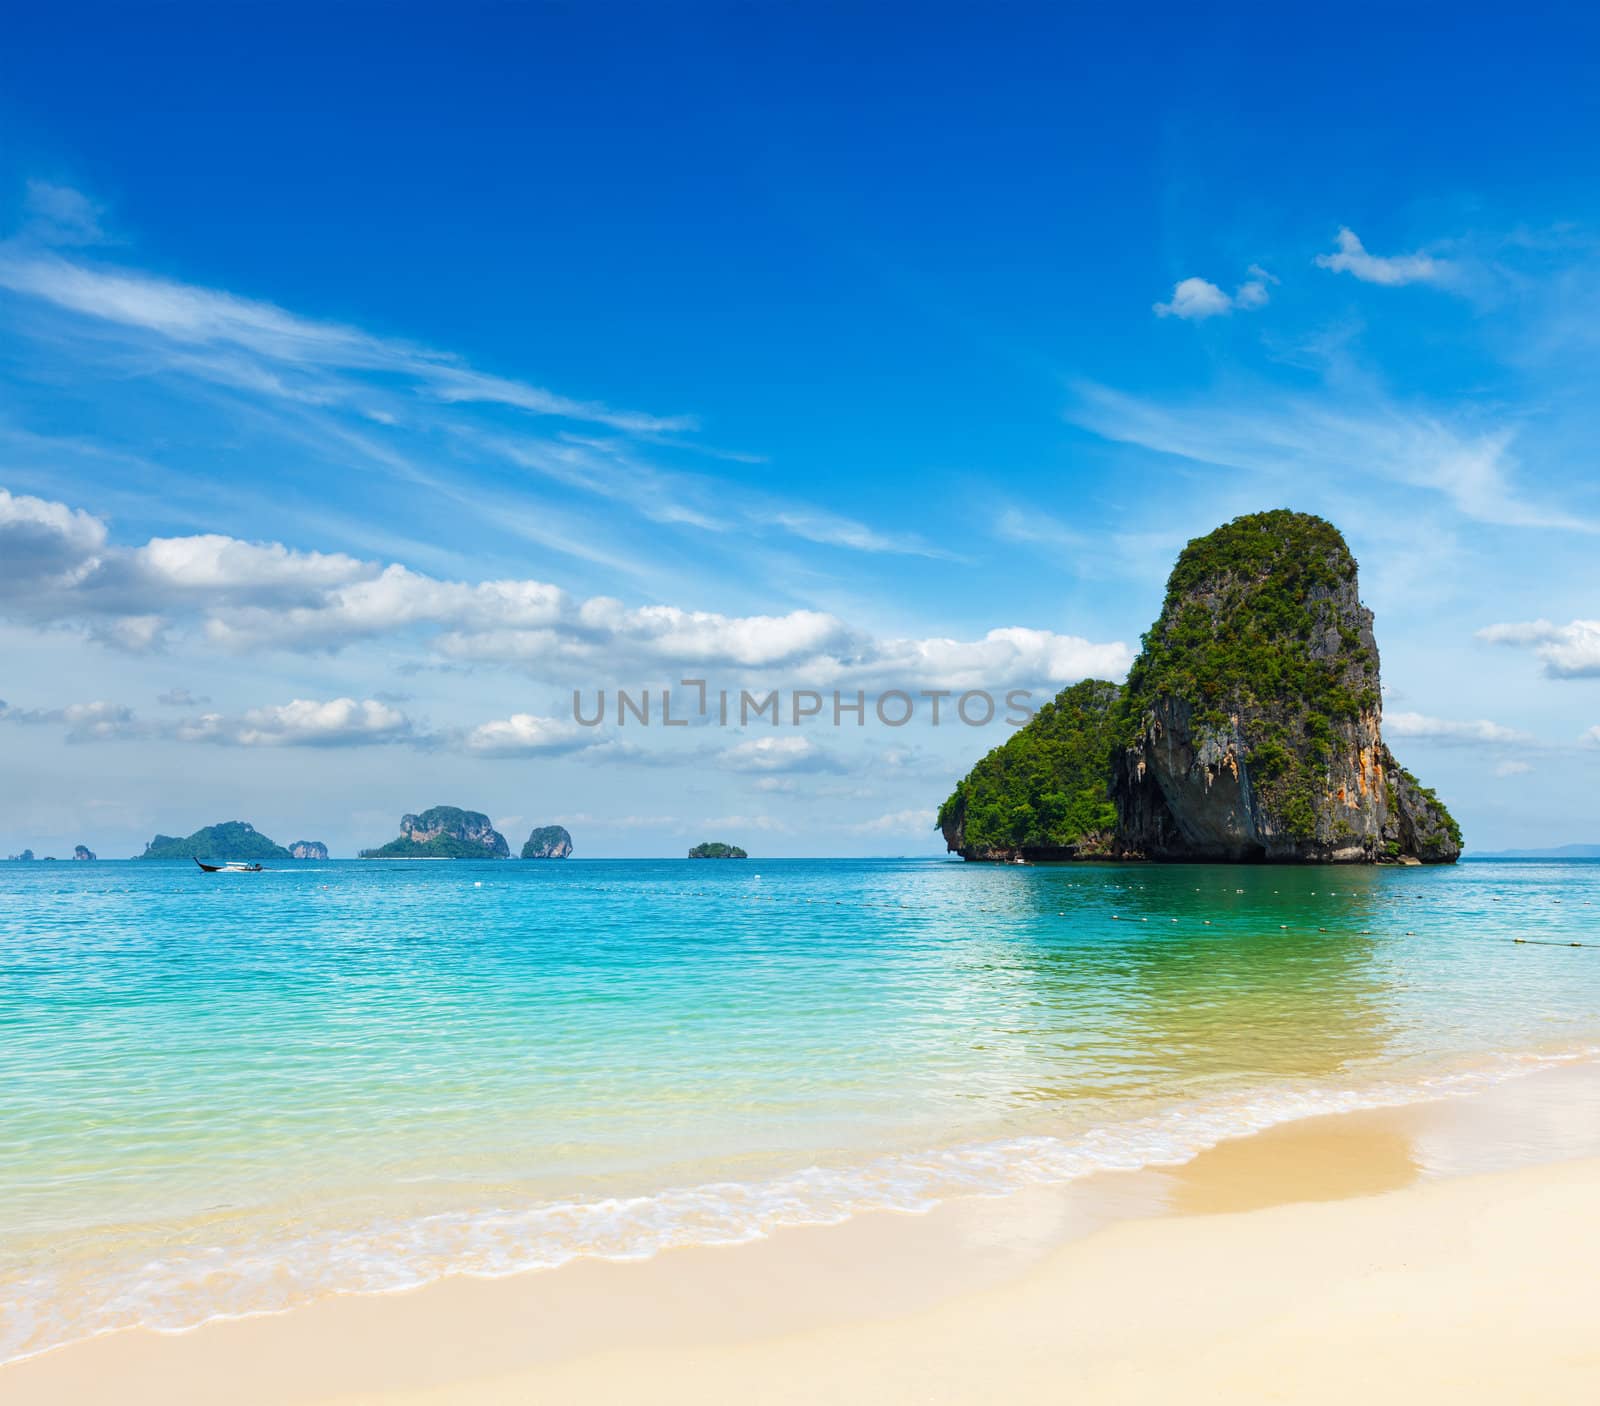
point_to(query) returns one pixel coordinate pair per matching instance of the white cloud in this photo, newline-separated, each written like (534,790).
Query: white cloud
(527,735)
(1391,272)
(1570,651)
(1195,299)
(133,634)
(389,601)
(1513,768)
(1480,730)
(99,721)
(1252,294)
(1591,737)
(44,545)
(210,563)
(1012,656)
(245,596)
(778,754)
(303,722)
(181,698)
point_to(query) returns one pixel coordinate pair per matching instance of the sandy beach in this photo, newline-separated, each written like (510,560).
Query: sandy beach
(1441,1248)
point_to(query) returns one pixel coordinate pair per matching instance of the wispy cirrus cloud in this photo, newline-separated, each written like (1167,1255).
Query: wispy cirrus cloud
(336,384)
(59,214)
(263,347)
(1290,436)
(611,469)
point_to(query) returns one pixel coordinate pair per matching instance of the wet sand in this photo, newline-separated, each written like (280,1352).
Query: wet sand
(1441,1248)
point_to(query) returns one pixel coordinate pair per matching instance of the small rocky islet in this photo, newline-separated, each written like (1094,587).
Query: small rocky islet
(548,842)
(448,832)
(444,832)
(441,832)
(79,852)
(715,849)
(1249,729)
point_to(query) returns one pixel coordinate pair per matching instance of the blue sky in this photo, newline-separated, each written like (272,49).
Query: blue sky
(371,377)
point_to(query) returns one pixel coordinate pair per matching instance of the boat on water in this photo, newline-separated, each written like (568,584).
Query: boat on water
(233,866)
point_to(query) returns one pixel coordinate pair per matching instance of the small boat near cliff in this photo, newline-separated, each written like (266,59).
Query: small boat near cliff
(233,866)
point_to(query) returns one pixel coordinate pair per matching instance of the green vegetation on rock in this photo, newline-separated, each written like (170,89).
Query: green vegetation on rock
(548,842)
(1262,632)
(1046,789)
(217,844)
(1248,728)
(715,849)
(444,832)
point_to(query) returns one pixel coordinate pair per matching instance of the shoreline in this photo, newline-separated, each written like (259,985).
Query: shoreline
(315,1261)
(855,1290)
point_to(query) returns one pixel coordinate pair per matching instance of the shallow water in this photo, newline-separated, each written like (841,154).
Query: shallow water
(230,1093)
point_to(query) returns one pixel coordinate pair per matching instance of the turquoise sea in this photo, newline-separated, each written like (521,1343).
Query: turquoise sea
(230,1094)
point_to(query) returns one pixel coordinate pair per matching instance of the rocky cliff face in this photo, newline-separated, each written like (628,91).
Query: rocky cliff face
(308,849)
(83,852)
(1250,728)
(548,842)
(1254,712)
(471,827)
(444,832)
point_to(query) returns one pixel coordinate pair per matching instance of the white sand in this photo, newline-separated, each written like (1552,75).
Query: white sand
(1480,1288)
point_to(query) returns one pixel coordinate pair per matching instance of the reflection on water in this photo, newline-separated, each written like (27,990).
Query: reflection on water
(1168,981)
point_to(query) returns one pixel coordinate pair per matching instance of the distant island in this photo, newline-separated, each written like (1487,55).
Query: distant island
(1553,852)
(26,857)
(1248,729)
(216,844)
(715,849)
(83,852)
(444,832)
(548,842)
(229,839)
